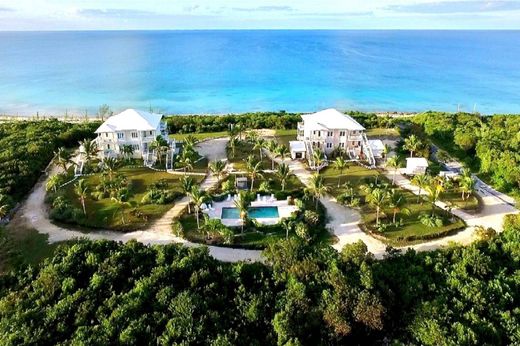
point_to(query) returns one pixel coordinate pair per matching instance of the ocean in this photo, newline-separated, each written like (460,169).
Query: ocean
(241,71)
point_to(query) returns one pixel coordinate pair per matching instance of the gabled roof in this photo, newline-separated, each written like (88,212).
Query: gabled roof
(332,119)
(131,119)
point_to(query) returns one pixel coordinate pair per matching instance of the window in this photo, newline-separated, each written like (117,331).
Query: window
(106,134)
(330,133)
(108,146)
(134,134)
(329,145)
(342,145)
(135,146)
(342,133)
(151,133)
(120,135)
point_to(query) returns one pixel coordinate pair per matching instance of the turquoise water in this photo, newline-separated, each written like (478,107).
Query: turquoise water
(238,71)
(253,212)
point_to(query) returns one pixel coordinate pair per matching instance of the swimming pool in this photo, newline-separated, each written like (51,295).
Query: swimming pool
(253,212)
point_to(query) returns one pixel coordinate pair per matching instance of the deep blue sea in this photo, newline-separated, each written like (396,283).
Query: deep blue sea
(238,71)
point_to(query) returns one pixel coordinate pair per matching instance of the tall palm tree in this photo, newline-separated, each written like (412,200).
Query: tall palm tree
(283,173)
(282,151)
(318,158)
(81,190)
(340,164)
(377,198)
(317,187)
(90,149)
(348,186)
(62,158)
(395,164)
(198,197)
(466,186)
(110,165)
(233,142)
(187,186)
(189,141)
(127,150)
(272,146)
(186,163)
(242,204)
(122,203)
(54,182)
(288,226)
(217,168)
(259,145)
(421,181)
(254,169)
(397,201)
(386,150)
(412,144)
(434,189)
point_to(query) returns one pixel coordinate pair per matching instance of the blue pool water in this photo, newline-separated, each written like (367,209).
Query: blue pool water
(268,70)
(253,212)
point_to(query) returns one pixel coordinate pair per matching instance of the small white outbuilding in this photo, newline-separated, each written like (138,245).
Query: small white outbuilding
(416,166)
(298,149)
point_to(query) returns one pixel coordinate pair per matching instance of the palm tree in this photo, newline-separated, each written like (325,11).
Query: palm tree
(395,164)
(397,201)
(254,169)
(187,186)
(348,186)
(186,163)
(127,150)
(110,165)
(4,211)
(217,168)
(386,150)
(340,164)
(421,181)
(189,141)
(242,204)
(81,190)
(377,198)
(122,203)
(434,190)
(272,147)
(466,186)
(259,145)
(54,182)
(251,136)
(62,158)
(233,142)
(412,144)
(198,197)
(283,173)
(282,151)
(287,225)
(90,149)
(317,187)
(318,158)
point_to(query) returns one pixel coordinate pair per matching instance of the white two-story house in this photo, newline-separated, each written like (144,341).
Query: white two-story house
(329,130)
(131,127)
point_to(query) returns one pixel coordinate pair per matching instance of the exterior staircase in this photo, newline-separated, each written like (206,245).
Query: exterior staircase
(367,150)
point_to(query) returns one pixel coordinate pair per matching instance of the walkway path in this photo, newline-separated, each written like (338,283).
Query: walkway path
(34,214)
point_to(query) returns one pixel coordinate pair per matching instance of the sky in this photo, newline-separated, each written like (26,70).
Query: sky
(36,15)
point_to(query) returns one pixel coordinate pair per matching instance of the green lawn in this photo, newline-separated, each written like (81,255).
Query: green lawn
(383,132)
(356,176)
(106,214)
(284,136)
(199,136)
(242,151)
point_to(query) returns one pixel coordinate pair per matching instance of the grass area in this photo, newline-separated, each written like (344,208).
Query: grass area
(107,214)
(199,136)
(454,197)
(20,246)
(383,132)
(242,151)
(284,136)
(410,228)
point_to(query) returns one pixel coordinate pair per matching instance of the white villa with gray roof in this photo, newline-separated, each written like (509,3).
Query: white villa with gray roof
(329,130)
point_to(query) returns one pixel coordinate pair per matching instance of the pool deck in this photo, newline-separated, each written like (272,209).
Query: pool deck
(284,210)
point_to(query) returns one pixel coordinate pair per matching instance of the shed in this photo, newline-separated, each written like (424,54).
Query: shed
(416,165)
(298,149)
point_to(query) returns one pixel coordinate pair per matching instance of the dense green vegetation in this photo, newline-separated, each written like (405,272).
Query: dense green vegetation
(261,120)
(489,145)
(26,147)
(109,293)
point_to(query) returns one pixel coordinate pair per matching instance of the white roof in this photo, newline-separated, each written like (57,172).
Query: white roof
(376,144)
(131,119)
(297,146)
(416,162)
(332,119)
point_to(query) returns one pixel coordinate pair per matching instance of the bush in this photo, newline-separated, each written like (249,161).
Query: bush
(157,196)
(431,220)
(311,218)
